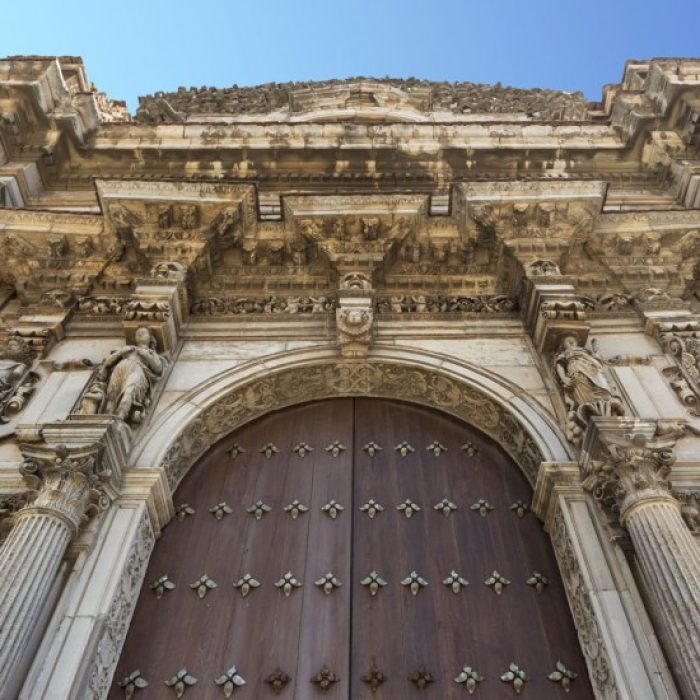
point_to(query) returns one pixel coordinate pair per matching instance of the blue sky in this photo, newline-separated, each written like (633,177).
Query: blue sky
(134,47)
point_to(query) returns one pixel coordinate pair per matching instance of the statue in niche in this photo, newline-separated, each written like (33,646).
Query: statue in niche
(587,392)
(123,383)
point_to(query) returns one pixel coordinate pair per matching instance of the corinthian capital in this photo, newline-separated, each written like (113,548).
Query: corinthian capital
(634,470)
(69,484)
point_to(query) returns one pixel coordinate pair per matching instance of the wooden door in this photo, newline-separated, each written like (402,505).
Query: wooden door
(347,631)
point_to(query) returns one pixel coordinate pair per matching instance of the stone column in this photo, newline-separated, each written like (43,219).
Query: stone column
(632,481)
(68,487)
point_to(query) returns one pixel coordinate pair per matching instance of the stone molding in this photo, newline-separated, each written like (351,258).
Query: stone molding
(229,401)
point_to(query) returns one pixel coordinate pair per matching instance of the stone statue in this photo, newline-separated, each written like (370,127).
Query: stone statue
(587,392)
(17,382)
(123,383)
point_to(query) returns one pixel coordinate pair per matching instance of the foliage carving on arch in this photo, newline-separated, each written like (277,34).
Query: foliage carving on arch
(321,381)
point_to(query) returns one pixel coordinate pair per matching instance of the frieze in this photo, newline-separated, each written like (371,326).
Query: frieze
(102,305)
(214,306)
(358,378)
(424,303)
(54,221)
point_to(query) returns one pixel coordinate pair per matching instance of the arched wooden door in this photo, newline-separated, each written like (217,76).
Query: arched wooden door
(261,504)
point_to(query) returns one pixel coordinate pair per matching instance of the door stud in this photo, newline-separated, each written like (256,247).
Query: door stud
(287,584)
(277,680)
(371,508)
(414,583)
(408,508)
(246,584)
(258,509)
(332,509)
(455,582)
(374,678)
(468,678)
(229,681)
(371,448)
(374,582)
(421,678)
(295,509)
(324,679)
(328,583)
(445,507)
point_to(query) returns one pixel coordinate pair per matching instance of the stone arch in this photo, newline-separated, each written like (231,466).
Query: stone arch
(234,397)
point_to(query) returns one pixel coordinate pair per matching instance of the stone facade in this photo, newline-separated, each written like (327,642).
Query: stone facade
(524,260)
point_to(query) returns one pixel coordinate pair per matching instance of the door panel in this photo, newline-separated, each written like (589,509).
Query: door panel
(438,629)
(350,631)
(265,630)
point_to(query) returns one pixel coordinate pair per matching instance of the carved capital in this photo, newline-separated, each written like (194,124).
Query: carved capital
(628,468)
(69,484)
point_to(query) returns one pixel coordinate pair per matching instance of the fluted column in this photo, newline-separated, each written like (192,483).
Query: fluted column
(669,558)
(68,486)
(633,482)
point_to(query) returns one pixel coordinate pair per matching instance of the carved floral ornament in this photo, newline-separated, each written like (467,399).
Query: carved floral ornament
(350,378)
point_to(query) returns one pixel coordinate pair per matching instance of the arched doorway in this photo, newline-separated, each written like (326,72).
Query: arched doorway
(348,631)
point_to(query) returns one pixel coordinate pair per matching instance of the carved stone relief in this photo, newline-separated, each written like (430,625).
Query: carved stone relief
(116,625)
(589,633)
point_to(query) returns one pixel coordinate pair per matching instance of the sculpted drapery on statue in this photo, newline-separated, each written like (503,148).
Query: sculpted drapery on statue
(587,391)
(123,383)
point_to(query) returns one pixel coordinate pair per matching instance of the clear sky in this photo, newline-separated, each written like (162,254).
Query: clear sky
(136,47)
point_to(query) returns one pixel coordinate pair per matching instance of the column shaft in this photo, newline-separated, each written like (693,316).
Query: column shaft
(29,562)
(669,559)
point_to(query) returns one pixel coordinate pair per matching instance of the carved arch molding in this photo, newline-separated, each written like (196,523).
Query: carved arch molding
(298,384)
